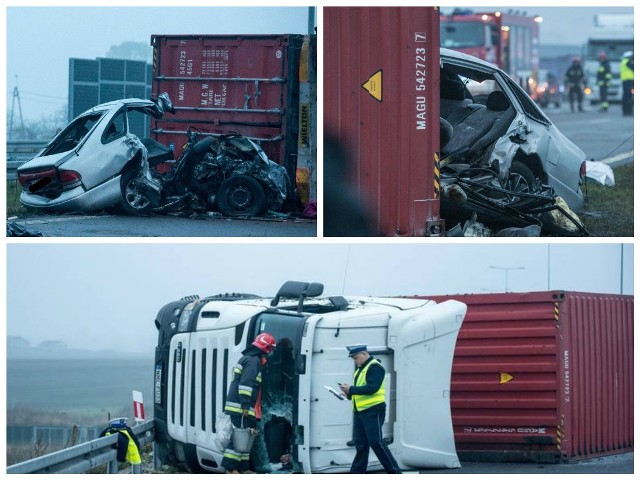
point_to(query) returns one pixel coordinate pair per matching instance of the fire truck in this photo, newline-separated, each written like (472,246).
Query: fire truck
(508,39)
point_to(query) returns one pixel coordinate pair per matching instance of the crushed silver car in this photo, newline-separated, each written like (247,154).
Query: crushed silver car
(82,167)
(501,156)
(96,162)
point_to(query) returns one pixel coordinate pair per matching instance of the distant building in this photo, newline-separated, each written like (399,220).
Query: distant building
(16,342)
(92,82)
(53,345)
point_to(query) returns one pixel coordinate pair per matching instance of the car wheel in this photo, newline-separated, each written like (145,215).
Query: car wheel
(132,200)
(521,179)
(241,195)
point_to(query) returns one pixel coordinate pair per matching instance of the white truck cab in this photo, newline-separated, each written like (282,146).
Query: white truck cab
(200,341)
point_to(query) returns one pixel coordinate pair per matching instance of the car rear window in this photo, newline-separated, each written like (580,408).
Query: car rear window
(116,128)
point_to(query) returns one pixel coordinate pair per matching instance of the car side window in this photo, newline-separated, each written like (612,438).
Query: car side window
(528,105)
(117,128)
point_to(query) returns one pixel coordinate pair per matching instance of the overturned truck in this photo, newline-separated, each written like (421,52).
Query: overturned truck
(201,339)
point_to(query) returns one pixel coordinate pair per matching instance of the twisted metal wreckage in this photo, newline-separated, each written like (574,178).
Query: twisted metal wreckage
(229,171)
(478,191)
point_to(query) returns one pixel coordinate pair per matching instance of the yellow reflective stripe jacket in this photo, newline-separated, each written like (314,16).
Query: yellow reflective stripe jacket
(133,455)
(362,402)
(626,73)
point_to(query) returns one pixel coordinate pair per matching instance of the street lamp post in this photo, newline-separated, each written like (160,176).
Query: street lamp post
(506,274)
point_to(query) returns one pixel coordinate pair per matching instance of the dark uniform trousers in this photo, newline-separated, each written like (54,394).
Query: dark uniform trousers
(367,432)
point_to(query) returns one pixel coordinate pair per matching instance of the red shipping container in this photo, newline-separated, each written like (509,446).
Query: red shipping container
(220,84)
(381,102)
(544,376)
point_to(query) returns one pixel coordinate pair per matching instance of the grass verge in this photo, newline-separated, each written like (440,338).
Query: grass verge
(14,207)
(608,211)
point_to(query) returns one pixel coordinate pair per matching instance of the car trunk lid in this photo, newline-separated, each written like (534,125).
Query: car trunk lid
(45,162)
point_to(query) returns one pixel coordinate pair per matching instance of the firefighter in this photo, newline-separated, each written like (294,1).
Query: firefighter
(604,80)
(367,395)
(574,82)
(244,399)
(127,446)
(626,77)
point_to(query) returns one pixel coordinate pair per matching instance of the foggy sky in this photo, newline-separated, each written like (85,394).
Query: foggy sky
(40,40)
(106,296)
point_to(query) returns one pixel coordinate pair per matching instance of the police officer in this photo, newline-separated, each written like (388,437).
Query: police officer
(243,403)
(574,81)
(604,80)
(626,77)
(367,395)
(127,446)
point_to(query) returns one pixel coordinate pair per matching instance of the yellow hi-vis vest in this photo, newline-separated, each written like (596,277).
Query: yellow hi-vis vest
(625,72)
(133,455)
(362,402)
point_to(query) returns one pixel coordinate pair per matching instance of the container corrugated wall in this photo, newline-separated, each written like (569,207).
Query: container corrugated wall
(245,84)
(381,102)
(543,376)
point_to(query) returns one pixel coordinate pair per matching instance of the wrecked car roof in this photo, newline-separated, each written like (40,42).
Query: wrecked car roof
(119,103)
(445,52)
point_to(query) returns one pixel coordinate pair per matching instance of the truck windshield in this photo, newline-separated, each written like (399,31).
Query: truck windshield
(613,49)
(279,386)
(461,34)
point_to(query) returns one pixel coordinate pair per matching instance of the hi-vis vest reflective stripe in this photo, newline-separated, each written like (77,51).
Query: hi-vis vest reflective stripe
(133,454)
(362,402)
(625,72)
(603,76)
(239,394)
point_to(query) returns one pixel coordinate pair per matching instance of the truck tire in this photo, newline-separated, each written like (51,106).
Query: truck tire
(241,196)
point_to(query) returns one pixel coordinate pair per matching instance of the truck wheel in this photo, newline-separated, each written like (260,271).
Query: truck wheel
(241,196)
(132,200)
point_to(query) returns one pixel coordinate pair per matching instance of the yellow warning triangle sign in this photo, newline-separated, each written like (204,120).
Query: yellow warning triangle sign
(505,377)
(374,85)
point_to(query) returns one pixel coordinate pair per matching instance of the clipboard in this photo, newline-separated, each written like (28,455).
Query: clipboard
(337,394)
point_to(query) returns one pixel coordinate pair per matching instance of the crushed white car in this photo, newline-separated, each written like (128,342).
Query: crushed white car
(507,160)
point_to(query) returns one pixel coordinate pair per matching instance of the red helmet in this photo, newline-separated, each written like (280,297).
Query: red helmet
(602,56)
(265,342)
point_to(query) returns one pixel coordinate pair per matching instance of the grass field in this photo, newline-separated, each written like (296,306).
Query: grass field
(14,207)
(608,211)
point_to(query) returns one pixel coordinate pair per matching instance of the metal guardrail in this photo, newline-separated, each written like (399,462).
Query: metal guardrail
(84,457)
(19,152)
(12,167)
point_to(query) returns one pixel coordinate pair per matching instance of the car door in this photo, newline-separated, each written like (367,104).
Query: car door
(423,340)
(105,152)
